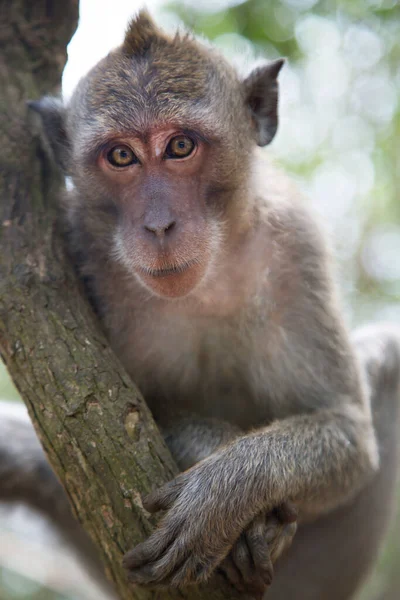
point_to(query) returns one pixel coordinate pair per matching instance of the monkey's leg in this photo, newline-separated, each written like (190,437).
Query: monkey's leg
(26,476)
(330,558)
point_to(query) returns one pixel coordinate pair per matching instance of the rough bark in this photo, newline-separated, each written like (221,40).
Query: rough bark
(95,427)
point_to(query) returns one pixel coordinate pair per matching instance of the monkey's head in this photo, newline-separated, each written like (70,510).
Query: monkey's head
(157,140)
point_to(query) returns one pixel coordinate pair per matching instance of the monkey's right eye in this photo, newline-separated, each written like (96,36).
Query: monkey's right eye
(121,156)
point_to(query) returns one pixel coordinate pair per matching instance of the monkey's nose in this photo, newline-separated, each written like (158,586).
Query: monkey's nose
(160,229)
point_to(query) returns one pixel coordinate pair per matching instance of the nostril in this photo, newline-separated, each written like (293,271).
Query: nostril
(160,229)
(150,228)
(170,226)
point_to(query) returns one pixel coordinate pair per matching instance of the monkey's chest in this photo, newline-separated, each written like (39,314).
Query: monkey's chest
(217,372)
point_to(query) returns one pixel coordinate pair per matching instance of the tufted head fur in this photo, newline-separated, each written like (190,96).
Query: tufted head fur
(141,33)
(153,76)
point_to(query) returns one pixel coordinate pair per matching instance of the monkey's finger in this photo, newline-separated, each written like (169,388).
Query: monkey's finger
(286,512)
(157,563)
(242,559)
(150,550)
(146,575)
(259,552)
(164,497)
(271,527)
(283,541)
(155,573)
(139,556)
(194,570)
(231,573)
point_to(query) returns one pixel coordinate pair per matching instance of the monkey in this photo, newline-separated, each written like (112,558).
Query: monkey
(213,282)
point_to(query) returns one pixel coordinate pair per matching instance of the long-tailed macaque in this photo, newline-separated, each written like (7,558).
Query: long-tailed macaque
(213,283)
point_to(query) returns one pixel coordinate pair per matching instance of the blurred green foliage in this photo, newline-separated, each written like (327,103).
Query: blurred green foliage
(7,388)
(15,587)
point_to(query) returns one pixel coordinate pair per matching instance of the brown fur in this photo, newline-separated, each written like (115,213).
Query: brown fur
(141,34)
(241,341)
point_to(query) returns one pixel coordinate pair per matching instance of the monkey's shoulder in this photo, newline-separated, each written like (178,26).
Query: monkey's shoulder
(298,254)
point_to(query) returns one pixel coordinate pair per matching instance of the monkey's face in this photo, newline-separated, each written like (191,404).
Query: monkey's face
(158,139)
(157,147)
(165,233)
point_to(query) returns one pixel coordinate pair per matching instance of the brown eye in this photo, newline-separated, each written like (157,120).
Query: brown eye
(121,156)
(179,147)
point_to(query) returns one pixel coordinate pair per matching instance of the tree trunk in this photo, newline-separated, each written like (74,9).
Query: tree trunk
(96,429)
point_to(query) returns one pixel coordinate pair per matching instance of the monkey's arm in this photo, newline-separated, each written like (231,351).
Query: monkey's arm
(331,557)
(26,476)
(191,438)
(249,564)
(316,461)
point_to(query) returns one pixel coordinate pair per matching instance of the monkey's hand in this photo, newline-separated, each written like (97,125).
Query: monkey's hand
(209,507)
(249,565)
(207,512)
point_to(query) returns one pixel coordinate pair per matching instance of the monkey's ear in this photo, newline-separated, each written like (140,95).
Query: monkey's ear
(51,113)
(261,93)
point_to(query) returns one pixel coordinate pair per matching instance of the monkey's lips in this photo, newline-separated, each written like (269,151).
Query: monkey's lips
(172,281)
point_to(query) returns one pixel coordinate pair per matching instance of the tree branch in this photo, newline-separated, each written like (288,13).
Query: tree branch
(96,429)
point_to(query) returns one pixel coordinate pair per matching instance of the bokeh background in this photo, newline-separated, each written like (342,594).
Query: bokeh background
(339,137)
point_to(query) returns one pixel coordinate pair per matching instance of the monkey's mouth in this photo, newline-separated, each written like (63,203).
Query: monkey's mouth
(168,270)
(172,281)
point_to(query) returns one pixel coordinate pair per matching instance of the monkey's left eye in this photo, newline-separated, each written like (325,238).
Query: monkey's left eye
(121,156)
(179,147)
